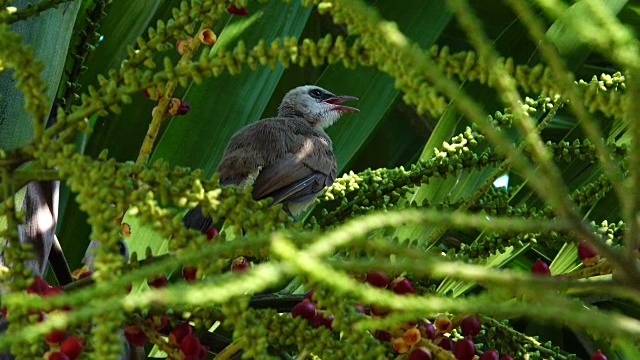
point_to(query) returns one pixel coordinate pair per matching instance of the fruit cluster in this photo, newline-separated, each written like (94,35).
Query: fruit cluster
(424,340)
(308,309)
(62,345)
(180,337)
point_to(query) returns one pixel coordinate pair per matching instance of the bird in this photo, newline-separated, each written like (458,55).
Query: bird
(288,157)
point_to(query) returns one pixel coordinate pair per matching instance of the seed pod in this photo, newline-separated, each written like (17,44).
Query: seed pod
(412,336)
(443,323)
(181,44)
(207,37)
(400,346)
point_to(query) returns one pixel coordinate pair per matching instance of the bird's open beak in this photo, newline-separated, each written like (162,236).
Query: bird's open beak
(336,100)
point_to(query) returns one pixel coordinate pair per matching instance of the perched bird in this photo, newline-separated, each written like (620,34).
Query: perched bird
(288,158)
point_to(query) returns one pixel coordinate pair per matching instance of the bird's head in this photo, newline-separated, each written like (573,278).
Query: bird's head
(319,107)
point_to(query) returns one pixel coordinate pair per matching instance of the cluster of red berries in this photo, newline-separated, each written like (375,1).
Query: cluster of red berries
(62,345)
(400,285)
(69,348)
(417,338)
(190,346)
(136,337)
(181,336)
(308,309)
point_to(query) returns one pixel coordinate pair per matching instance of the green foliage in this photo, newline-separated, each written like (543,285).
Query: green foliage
(452,95)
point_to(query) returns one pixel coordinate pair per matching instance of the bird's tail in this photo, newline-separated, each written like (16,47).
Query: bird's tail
(195,219)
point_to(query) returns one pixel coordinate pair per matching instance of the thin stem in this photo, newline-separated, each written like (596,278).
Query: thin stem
(570,91)
(503,168)
(629,198)
(632,233)
(163,105)
(548,183)
(156,338)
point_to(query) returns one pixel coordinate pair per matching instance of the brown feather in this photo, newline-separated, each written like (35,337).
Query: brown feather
(296,151)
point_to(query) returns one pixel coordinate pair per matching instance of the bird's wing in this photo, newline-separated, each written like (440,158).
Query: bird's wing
(288,180)
(252,148)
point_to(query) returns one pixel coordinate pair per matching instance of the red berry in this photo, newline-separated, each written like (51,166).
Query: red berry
(58,355)
(240,264)
(464,349)
(382,335)
(158,282)
(470,326)
(55,336)
(489,355)
(189,273)
(320,320)
(38,286)
(598,355)
(52,291)
(402,285)
(587,254)
(506,357)
(134,335)
(444,342)
(305,309)
(36,316)
(211,233)
(72,346)
(379,310)
(190,345)
(328,322)
(317,319)
(202,355)
(378,279)
(421,353)
(184,108)
(179,332)
(540,268)
(85,274)
(4,312)
(427,330)
(234,10)
(158,321)
(309,295)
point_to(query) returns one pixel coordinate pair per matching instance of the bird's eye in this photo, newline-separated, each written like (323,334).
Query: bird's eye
(316,93)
